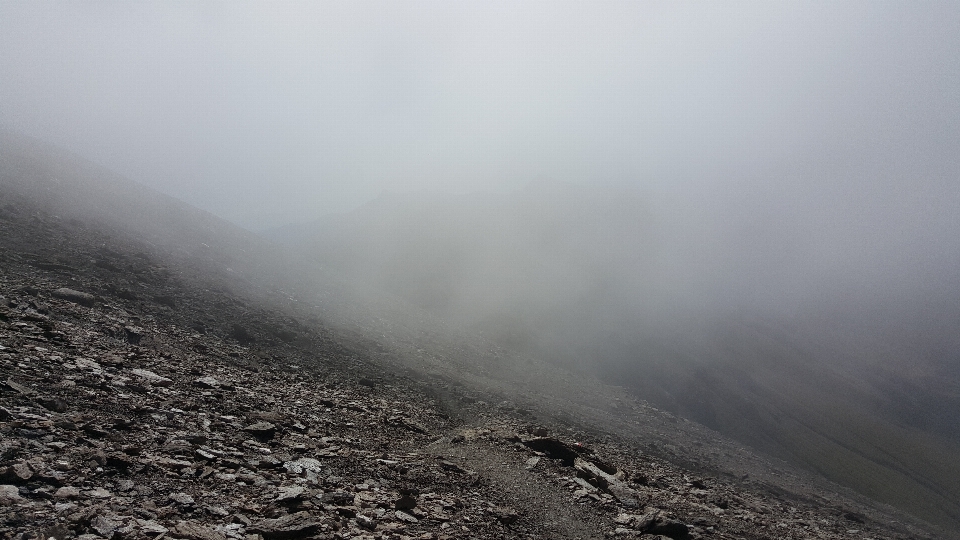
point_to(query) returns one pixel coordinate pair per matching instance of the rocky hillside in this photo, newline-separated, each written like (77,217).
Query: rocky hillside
(147,392)
(865,392)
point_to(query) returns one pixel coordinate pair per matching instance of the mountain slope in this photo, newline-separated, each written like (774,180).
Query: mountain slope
(865,394)
(168,395)
(828,411)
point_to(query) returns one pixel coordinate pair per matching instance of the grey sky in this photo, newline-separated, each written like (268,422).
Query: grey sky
(831,127)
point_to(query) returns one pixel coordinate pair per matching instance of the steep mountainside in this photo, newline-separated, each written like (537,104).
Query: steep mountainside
(149,390)
(842,411)
(866,395)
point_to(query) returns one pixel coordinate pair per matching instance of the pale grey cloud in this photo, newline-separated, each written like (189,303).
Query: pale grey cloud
(810,139)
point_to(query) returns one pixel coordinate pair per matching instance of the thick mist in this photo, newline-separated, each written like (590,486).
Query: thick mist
(780,159)
(745,213)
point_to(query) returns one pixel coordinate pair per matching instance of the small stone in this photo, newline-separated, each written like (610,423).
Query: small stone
(450,466)
(104,526)
(152,527)
(207,382)
(195,438)
(133,334)
(181,498)
(405,517)
(57,532)
(67,492)
(336,497)
(290,493)
(64,507)
(609,482)
(406,423)
(152,378)
(300,465)
(53,404)
(126,531)
(119,461)
(18,473)
(555,449)
(268,462)
(86,363)
(95,430)
(532,462)
(9,494)
(366,522)
(17,387)
(507,516)
(584,484)
(98,493)
(195,531)
(299,525)
(262,430)
(125,485)
(77,297)
(407,500)
(217,511)
(348,512)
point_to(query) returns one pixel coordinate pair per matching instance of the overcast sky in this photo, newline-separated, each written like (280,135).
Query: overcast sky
(266,113)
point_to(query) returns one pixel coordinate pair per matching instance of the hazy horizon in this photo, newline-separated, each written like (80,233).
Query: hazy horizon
(272,113)
(807,147)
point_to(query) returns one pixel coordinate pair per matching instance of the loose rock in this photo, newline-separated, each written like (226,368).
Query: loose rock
(299,525)
(77,297)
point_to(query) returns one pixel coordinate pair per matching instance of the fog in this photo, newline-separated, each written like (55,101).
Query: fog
(746,213)
(788,151)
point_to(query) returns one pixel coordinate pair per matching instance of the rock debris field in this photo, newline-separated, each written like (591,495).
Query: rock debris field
(133,406)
